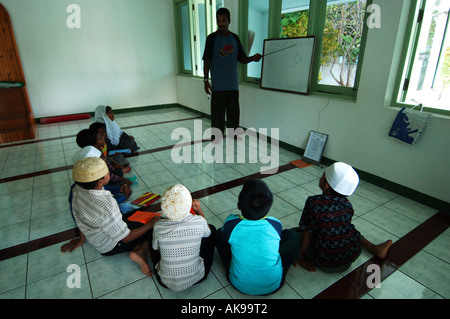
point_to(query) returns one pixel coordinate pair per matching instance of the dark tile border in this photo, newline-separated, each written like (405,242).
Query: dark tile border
(64,168)
(69,136)
(354,284)
(37,244)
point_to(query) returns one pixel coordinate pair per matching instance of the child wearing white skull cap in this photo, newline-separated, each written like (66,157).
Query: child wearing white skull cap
(330,241)
(183,242)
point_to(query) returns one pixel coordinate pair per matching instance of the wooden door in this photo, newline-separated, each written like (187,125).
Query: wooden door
(16,115)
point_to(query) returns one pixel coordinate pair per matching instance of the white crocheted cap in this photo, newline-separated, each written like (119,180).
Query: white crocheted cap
(176,202)
(342,178)
(85,152)
(89,170)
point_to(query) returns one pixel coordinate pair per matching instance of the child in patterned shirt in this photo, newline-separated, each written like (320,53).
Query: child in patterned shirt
(99,219)
(330,241)
(183,243)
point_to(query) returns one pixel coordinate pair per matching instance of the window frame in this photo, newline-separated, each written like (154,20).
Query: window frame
(273,32)
(408,55)
(316,23)
(179,37)
(194,31)
(318,14)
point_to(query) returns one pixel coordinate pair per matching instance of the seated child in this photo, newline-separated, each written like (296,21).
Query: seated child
(119,192)
(88,137)
(99,220)
(118,138)
(256,252)
(330,241)
(185,241)
(101,129)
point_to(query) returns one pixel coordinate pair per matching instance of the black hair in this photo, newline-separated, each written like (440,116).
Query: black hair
(97,125)
(223,11)
(255,199)
(334,193)
(87,137)
(88,185)
(108,109)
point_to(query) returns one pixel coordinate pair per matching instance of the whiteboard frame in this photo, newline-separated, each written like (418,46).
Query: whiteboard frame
(302,75)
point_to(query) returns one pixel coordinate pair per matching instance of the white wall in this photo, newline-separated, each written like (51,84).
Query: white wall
(358,130)
(123,55)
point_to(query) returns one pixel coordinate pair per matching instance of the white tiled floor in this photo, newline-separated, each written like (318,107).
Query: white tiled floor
(36,207)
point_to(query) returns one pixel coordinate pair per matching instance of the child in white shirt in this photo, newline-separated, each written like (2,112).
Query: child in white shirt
(183,243)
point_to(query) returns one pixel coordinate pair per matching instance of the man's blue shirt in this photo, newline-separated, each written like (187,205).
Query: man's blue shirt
(223,51)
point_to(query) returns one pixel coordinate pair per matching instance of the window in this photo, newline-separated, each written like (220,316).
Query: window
(294,19)
(340,30)
(186,38)
(338,26)
(342,34)
(194,19)
(425,78)
(258,19)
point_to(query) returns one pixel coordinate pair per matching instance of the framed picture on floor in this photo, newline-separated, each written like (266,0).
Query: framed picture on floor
(315,147)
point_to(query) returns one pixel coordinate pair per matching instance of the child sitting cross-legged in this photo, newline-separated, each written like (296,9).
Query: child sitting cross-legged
(91,137)
(119,192)
(255,250)
(99,219)
(183,242)
(330,241)
(118,139)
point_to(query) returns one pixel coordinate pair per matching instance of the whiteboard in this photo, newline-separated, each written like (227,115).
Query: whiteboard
(287,64)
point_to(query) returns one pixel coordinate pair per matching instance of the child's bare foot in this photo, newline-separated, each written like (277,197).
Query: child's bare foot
(383,248)
(139,256)
(305,264)
(126,169)
(140,260)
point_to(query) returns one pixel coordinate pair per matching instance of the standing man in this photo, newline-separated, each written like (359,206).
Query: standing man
(223,50)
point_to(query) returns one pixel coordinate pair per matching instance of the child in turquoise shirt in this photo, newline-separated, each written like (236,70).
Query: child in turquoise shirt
(255,250)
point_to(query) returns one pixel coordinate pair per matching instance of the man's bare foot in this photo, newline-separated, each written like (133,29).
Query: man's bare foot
(383,248)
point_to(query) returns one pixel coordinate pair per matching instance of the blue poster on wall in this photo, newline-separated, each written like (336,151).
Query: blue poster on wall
(409,125)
